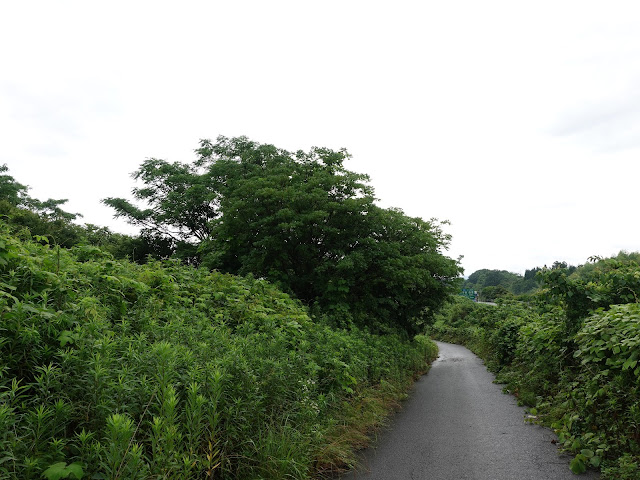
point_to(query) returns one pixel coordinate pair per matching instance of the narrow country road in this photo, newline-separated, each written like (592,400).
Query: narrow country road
(457,425)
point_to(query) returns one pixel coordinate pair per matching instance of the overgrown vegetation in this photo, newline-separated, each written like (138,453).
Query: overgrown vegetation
(571,353)
(494,284)
(110,369)
(127,357)
(303,221)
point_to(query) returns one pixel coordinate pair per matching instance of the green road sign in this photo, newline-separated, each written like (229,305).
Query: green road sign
(469,293)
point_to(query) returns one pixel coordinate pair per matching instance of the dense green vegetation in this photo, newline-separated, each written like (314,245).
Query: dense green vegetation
(168,371)
(131,357)
(572,353)
(494,284)
(268,316)
(305,223)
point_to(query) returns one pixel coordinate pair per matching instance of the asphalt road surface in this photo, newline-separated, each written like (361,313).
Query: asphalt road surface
(457,425)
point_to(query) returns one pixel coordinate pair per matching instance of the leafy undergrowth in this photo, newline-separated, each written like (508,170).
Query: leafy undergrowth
(115,370)
(580,376)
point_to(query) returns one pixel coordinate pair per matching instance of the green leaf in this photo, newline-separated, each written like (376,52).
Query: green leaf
(66,337)
(75,470)
(56,471)
(577,466)
(61,470)
(586,452)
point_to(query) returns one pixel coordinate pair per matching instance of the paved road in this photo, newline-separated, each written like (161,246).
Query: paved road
(458,425)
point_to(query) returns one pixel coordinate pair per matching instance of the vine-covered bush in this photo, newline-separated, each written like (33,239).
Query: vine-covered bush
(110,369)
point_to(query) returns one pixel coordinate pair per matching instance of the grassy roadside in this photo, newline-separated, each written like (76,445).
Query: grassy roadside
(364,415)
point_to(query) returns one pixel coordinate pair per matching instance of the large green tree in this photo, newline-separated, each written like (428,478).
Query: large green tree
(284,216)
(303,221)
(396,274)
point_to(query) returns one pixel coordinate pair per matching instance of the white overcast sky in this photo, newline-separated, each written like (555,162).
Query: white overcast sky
(517,121)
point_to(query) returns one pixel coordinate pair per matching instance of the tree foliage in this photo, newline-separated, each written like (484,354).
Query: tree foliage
(180,201)
(493,284)
(16,195)
(303,221)
(41,217)
(600,283)
(29,216)
(10,190)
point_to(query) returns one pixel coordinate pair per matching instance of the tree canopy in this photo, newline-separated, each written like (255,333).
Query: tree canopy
(42,217)
(303,221)
(493,284)
(11,191)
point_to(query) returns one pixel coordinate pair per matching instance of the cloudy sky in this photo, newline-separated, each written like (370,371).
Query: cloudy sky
(517,121)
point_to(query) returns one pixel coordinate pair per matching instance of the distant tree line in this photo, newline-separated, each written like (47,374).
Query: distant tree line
(48,220)
(494,284)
